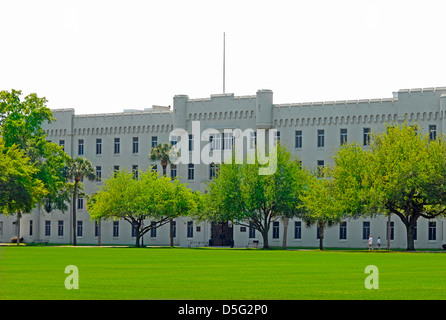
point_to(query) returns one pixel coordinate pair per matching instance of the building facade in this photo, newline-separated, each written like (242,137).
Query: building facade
(312,131)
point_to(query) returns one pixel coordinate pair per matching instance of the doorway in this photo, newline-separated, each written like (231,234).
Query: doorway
(221,234)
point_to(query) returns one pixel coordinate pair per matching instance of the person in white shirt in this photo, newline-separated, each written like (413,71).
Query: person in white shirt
(378,243)
(370,242)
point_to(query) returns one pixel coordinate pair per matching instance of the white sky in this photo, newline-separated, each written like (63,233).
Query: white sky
(104,56)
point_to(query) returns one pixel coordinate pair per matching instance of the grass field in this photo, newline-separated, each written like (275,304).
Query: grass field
(217,274)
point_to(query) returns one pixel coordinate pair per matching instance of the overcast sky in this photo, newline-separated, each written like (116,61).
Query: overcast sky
(106,56)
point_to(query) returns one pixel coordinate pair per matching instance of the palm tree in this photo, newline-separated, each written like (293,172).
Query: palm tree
(161,152)
(78,169)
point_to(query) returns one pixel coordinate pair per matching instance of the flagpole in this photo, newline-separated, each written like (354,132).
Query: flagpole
(224,38)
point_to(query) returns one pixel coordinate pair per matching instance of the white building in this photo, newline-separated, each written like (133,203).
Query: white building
(310,130)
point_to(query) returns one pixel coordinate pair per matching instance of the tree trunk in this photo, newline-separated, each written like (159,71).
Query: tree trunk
(265,238)
(410,230)
(164,165)
(138,237)
(321,235)
(285,232)
(74,213)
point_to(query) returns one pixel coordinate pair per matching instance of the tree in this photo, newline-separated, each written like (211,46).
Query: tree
(151,196)
(20,121)
(409,175)
(238,193)
(78,169)
(162,152)
(20,126)
(320,205)
(19,190)
(402,172)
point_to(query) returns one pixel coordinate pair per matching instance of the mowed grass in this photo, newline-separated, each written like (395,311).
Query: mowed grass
(217,274)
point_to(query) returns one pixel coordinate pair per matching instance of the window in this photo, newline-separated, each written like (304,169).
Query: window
(366,136)
(174,229)
(98,146)
(432,132)
(174,140)
(275,230)
(115,171)
(154,168)
(79,228)
(212,170)
(135,172)
(80,203)
(115,229)
(1,228)
(30,227)
(227,141)
(365,230)
(98,173)
(321,138)
(154,141)
(62,144)
(96,229)
(392,225)
(135,146)
(276,138)
(252,231)
(320,168)
(432,230)
(191,142)
(134,227)
(343,230)
(343,136)
(190,171)
(298,139)
(190,229)
(253,140)
(60,228)
(47,228)
(215,141)
(117,146)
(297,230)
(153,229)
(80,147)
(173,171)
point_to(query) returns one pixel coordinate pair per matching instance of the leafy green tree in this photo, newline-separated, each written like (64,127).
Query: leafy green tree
(320,205)
(409,175)
(239,194)
(78,169)
(19,189)
(21,121)
(151,196)
(402,172)
(21,126)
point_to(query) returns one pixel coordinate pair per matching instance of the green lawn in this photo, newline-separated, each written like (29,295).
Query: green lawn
(220,274)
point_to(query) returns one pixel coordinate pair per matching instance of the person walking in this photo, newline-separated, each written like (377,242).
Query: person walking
(378,243)
(370,242)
